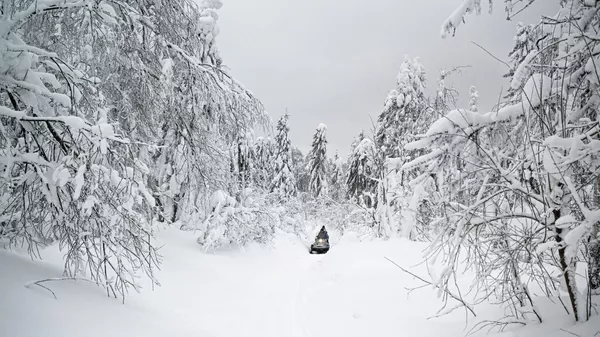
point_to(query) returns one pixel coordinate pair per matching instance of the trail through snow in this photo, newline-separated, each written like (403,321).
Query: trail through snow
(279,291)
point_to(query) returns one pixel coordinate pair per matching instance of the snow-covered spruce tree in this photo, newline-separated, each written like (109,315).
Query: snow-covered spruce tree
(356,141)
(402,109)
(68,173)
(337,186)
(244,167)
(264,155)
(283,182)
(405,114)
(240,165)
(368,190)
(535,162)
(299,170)
(317,163)
(360,179)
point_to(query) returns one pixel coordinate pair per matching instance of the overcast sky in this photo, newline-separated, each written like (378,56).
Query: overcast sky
(333,62)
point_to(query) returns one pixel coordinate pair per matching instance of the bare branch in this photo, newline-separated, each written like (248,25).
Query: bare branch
(448,292)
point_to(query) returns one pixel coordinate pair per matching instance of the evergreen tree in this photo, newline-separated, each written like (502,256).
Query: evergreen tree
(301,174)
(337,183)
(317,163)
(264,156)
(359,138)
(283,182)
(242,161)
(360,180)
(402,110)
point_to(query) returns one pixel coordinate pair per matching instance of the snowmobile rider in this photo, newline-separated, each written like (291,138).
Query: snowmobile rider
(323,234)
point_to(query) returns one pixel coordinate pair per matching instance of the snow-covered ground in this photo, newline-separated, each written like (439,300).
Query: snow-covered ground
(279,290)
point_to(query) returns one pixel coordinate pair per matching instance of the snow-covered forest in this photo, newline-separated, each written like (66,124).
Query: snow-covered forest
(140,180)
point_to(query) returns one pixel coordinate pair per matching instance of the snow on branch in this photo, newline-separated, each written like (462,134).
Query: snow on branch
(40,6)
(458,16)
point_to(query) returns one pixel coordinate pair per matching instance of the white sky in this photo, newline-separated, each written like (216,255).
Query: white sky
(334,62)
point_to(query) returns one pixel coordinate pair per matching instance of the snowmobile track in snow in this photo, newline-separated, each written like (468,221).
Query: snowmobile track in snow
(302,304)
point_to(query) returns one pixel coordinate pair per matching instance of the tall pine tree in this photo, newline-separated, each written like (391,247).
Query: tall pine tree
(264,153)
(336,186)
(403,108)
(317,162)
(355,142)
(283,182)
(299,169)
(361,173)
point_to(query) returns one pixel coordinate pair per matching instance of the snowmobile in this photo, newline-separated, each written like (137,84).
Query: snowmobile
(321,245)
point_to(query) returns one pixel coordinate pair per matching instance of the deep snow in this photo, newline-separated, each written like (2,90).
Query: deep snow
(279,290)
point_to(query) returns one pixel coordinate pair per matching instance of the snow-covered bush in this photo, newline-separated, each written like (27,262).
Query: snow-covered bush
(236,222)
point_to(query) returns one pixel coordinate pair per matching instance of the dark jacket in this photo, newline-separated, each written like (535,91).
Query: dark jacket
(323,234)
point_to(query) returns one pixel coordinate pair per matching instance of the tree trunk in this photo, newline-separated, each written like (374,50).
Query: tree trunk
(176,199)
(594,266)
(594,247)
(566,268)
